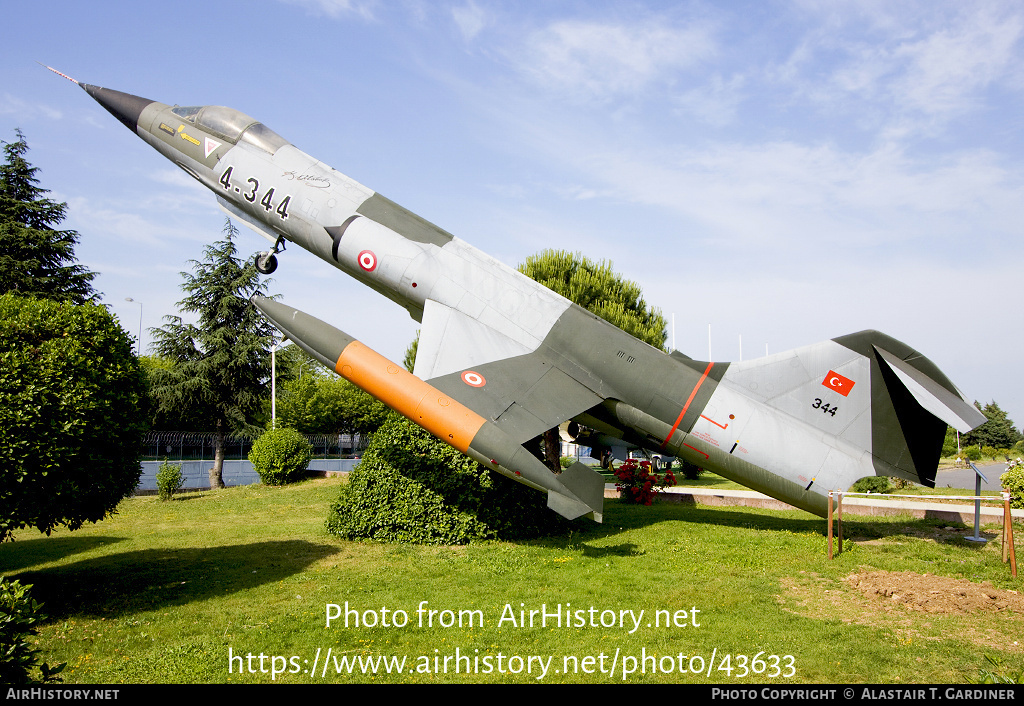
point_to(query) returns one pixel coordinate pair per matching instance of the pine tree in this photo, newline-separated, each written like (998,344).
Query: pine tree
(221,366)
(316,403)
(36,259)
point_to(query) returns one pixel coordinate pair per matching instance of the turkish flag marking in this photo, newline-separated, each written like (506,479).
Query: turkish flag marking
(835,381)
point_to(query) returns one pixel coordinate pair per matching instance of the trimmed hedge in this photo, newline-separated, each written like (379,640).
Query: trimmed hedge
(412,488)
(871,484)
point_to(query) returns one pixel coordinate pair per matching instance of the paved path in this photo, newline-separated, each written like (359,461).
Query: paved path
(964,477)
(953,512)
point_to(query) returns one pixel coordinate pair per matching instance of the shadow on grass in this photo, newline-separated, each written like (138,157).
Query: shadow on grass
(620,516)
(20,553)
(122,584)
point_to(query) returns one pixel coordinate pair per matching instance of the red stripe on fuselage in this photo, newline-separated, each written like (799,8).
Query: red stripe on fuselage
(687,405)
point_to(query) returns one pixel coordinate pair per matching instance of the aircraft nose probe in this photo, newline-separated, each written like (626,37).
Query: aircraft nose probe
(124,106)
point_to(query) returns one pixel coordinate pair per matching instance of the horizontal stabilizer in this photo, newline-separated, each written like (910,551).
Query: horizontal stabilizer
(588,488)
(947,406)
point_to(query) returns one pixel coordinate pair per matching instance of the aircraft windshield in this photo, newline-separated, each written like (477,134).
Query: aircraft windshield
(232,125)
(187,112)
(225,121)
(261,136)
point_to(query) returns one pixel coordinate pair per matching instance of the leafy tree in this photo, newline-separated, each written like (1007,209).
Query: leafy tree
(949,447)
(409,361)
(315,403)
(36,259)
(998,432)
(597,288)
(221,366)
(72,414)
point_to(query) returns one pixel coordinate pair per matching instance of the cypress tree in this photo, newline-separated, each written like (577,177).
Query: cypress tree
(220,367)
(36,258)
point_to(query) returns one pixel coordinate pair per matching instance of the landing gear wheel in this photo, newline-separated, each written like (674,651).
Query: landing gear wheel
(266,262)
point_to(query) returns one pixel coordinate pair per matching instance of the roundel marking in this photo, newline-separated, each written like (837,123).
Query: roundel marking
(367,260)
(473,379)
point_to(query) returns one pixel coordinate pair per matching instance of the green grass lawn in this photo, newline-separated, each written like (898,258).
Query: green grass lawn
(164,592)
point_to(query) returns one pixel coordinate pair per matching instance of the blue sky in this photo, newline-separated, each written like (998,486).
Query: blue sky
(786,172)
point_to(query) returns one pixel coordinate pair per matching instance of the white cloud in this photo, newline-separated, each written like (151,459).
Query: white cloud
(947,71)
(714,103)
(601,60)
(788,197)
(338,9)
(470,19)
(99,221)
(24,110)
(904,72)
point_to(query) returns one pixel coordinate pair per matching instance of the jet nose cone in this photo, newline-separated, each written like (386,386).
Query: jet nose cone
(123,106)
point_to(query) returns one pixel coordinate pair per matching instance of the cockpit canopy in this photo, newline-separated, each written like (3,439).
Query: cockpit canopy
(232,125)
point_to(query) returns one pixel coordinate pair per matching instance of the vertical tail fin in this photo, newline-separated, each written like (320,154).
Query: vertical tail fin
(912,401)
(869,392)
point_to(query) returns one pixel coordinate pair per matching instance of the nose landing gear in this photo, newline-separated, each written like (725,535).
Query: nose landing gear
(266,261)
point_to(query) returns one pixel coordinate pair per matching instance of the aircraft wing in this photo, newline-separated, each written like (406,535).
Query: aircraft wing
(523,391)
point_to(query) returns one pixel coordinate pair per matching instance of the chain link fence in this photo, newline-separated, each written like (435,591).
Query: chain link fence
(332,453)
(181,446)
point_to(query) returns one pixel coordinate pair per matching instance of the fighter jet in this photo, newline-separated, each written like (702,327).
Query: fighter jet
(501,358)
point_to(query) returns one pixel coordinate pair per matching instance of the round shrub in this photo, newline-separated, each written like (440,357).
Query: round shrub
(1013,480)
(72,414)
(410,487)
(281,456)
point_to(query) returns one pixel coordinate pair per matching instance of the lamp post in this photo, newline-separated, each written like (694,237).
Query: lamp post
(273,381)
(138,348)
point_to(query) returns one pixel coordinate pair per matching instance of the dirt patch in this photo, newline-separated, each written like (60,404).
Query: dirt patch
(912,606)
(934,594)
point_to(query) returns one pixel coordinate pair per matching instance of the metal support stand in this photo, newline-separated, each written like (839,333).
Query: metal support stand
(978,477)
(1009,551)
